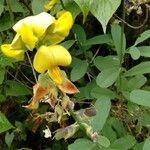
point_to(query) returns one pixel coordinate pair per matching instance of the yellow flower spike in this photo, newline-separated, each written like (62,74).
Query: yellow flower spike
(33,27)
(50,4)
(60,28)
(48,58)
(7,50)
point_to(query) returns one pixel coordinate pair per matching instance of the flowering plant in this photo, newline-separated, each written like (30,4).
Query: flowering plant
(43,33)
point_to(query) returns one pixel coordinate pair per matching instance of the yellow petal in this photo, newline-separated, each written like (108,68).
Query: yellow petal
(17,42)
(9,52)
(50,57)
(67,86)
(41,22)
(38,23)
(61,57)
(50,4)
(28,37)
(55,75)
(33,27)
(64,23)
(42,59)
(61,80)
(60,28)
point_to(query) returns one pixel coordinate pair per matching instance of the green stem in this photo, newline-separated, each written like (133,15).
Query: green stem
(122,32)
(62,4)
(34,74)
(122,40)
(10,11)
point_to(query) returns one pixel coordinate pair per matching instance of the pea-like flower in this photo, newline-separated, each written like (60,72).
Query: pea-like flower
(49,58)
(32,28)
(34,31)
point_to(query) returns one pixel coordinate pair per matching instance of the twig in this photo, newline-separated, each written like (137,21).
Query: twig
(96,53)
(17,79)
(26,77)
(34,74)
(135,27)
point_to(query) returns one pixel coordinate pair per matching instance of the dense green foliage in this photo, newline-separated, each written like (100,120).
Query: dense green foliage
(110,67)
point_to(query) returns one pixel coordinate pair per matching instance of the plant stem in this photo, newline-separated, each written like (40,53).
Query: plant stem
(122,42)
(34,74)
(122,32)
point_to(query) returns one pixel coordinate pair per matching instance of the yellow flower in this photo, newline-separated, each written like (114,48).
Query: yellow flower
(60,28)
(33,27)
(14,50)
(50,4)
(49,58)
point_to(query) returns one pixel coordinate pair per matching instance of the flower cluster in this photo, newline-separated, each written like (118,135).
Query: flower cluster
(43,32)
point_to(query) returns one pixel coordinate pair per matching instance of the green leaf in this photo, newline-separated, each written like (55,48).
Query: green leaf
(147,144)
(140,97)
(134,52)
(84,6)
(1,6)
(116,33)
(98,92)
(102,106)
(16,6)
(109,132)
(144,51)
(2,98)
(103,10)
(145,119)
(85,92)
(139,69)
(5,61)
(124,143)
(107,77)
(118,126)
(103,141)
(79,32)
(82,144)
(9,138)
(71,6)
(16,89)
(100,39)
(2,74)
(136,82)
(5,23)
(79,70)
(4,123)
(138,146)
(145,35)
(107,62)
(38,6)
(68,44)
